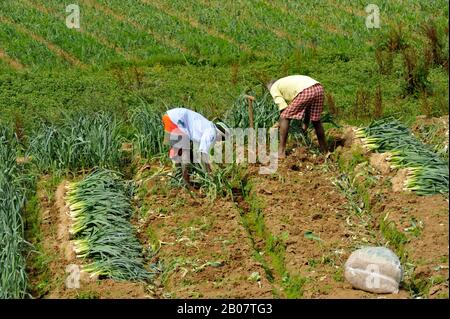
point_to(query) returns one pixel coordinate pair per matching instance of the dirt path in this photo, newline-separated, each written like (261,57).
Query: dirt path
(13,63)
(303,203)
(424,220)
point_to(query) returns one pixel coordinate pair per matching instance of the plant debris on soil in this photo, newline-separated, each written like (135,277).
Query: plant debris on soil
(204,248)
(206,251)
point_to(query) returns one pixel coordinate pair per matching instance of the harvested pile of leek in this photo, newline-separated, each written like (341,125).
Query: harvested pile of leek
(100,209)
(428,172)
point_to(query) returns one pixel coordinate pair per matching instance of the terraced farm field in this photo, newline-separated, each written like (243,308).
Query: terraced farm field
(86,184)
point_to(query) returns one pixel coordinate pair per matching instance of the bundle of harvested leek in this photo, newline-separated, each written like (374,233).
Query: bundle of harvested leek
(100,208)
(428,172)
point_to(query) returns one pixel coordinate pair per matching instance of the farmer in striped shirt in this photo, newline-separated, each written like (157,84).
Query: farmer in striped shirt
(298,97)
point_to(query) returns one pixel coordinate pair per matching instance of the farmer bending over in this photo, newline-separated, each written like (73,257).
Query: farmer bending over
(185,126)
(305,98)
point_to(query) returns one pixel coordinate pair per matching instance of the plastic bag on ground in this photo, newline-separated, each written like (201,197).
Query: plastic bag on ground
(374,269)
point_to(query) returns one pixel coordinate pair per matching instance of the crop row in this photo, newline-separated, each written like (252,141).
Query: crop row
(13,276)
(114,30)
(100,209)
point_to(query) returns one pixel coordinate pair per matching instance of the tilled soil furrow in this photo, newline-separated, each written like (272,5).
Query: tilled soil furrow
(312,214)
(204,249)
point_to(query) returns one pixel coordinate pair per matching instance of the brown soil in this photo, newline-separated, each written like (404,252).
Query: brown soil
(398,181)
(206,251)
(429,248)
(344,138)
(204,247)
(303,199)
(380,162)
(429,211)
(16,65)
(55,223)
(63,222)
(307,201)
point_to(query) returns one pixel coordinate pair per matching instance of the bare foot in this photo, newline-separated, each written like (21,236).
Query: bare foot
(282,154)
(190,187)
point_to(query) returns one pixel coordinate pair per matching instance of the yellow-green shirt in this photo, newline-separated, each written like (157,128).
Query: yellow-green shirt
(284,90)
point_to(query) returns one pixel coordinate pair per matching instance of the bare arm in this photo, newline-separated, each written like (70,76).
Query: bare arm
(177,157)
(205,160)
(185,172)
(278,98)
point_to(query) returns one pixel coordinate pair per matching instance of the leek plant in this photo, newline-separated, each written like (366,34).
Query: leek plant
(214,184)
(82,141)
(149,136)
(265,114)
(428,172)
(100,208)
(13,277)
(219,183)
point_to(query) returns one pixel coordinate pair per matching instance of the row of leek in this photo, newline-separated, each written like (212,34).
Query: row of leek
(100,208)
(427,171)
(13,277)
(80,141)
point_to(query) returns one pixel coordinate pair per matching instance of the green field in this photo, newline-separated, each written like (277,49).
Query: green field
(74,101)
(203,54)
